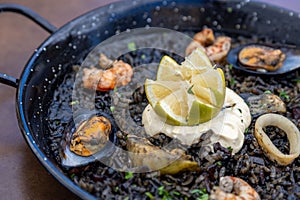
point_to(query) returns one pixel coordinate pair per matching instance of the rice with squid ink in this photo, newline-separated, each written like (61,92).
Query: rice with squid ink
(269,179)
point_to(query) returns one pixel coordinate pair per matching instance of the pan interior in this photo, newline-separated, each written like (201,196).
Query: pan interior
(52,64)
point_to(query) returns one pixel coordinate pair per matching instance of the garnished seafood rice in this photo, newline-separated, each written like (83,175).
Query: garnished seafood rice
(250,166)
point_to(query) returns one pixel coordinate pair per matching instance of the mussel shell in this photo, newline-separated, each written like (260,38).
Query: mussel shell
(70,159)
(291,62)
(263,103)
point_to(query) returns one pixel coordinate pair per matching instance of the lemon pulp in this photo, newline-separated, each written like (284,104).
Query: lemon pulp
(189,93)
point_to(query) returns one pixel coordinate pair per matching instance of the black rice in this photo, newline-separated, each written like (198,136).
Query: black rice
(270,180)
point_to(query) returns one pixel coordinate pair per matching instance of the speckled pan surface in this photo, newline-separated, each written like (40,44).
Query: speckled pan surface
(71,44)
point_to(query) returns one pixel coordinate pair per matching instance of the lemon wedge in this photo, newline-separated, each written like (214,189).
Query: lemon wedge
(169,70)
(187,94)
(197,60)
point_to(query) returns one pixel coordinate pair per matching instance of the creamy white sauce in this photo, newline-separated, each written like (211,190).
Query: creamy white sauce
(228,126)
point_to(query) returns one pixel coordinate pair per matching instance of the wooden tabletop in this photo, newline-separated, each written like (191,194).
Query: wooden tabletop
(22,176)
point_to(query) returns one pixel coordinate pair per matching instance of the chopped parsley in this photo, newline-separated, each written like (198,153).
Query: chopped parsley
(128,175)
(112,108)
(268,92)
(284,95)
(72,176)
(131,46)
(149,195)
(232,82)
(230,148)
(229,10)
(74,103)
(190,90)
(143,57)
(200,193)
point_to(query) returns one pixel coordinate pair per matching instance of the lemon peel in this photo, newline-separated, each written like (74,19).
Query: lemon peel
(187,94)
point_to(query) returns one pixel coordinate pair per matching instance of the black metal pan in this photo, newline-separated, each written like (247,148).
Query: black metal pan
(55,56)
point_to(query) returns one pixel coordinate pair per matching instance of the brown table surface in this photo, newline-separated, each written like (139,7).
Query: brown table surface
(22,176)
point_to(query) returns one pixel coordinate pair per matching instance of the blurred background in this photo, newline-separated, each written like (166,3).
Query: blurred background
(22,176)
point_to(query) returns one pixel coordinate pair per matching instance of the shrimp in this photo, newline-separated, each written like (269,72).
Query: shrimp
(123,71)
(104,80)
(219,49)
(205,37)
(233,188)
(215,48)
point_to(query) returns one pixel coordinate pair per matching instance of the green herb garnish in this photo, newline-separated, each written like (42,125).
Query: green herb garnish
(143,57)
(268,92)
(112,108)
(232,82)
(229,10)
(196,191)
(164,193)
(230,148)
(201,194)
(203,197)
(73,102)
(190,90)
(161,190)
(72,176)
(175,193)
(131,46)
(128,175)
(148,194)
(284,95)
(297,80)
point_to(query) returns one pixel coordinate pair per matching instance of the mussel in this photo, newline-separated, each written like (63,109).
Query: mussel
(264,103)
(261,57)
(144,154)
(90,137)
(265,58)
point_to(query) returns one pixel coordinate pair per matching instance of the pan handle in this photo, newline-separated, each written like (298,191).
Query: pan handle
(6,79)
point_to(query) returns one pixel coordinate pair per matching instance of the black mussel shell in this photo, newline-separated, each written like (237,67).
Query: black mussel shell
(290,63)
(69,158)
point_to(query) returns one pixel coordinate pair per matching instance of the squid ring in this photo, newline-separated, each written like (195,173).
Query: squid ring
(268,147)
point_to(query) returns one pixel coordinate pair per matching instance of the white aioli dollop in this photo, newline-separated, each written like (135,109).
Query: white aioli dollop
(228,126)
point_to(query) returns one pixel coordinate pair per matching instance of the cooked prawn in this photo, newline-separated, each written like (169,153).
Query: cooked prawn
(219,49)
(233,188)
(215,48)
(103,80)
(205,37)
